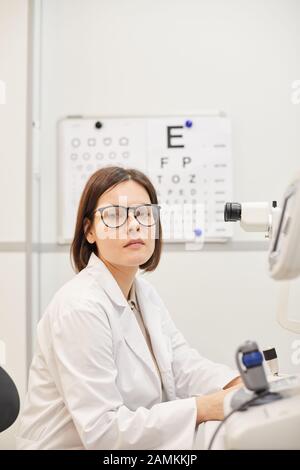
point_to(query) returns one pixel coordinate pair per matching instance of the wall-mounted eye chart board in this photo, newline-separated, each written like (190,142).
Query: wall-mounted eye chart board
(188,159)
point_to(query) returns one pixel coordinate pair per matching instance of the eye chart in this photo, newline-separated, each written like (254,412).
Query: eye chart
(187,158)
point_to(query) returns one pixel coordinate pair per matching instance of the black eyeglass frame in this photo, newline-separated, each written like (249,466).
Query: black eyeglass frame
(134,208)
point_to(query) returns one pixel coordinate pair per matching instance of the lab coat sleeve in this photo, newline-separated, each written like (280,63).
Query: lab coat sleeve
(86,376)
(194,374)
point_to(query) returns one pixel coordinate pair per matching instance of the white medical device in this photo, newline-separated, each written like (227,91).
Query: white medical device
(284,257)
(270,424)
(253,216)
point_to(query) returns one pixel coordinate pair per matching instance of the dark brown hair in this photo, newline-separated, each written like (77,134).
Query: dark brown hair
(98,183)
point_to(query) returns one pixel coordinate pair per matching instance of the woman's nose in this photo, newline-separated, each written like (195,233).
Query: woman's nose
(133,224)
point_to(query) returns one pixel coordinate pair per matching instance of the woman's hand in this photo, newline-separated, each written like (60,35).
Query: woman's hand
(210,407)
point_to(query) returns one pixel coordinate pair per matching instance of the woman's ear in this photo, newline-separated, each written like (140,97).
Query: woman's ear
(88,232)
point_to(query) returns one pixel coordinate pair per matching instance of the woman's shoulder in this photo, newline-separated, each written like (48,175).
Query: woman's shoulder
(81,293)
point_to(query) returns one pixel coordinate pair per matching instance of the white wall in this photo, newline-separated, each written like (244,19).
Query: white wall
(136,57)
(13,71)
(152,56)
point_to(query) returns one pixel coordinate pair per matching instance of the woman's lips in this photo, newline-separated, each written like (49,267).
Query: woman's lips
(135,244)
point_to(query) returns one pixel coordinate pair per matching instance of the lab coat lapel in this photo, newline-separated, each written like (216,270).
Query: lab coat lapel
(152,319)
(106,280)
(151,315)
(136,341)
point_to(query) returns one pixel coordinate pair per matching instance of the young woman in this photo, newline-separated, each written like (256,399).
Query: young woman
(111,370)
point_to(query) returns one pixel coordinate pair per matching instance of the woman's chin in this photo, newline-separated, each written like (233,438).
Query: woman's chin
(135,259)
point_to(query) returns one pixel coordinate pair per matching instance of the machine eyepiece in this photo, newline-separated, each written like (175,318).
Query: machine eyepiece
(232,211)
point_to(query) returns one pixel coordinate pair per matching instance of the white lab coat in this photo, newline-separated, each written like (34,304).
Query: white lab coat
(93,383)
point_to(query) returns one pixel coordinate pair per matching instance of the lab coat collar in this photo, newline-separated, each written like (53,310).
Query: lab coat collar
(108,282)
(110,285)
(150,313)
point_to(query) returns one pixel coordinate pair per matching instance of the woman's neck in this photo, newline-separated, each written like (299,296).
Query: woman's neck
(124,275)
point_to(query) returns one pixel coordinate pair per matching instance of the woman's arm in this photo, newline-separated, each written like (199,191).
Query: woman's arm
(211,407)
(194,374)
(86,373)
(234,382)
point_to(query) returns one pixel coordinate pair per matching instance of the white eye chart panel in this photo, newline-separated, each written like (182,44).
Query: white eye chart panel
(188,159)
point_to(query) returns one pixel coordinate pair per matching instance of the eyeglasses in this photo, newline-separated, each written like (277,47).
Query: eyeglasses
(115,216)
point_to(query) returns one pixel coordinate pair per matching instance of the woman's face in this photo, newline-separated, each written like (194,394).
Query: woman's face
(112,243)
